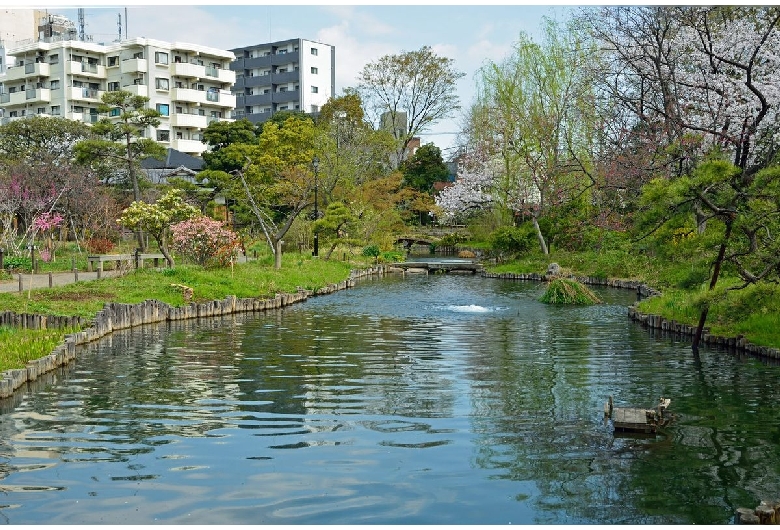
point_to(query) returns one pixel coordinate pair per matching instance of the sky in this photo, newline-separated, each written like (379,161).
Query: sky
(469,34)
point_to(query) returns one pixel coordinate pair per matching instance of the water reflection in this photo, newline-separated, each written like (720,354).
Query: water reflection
(423,399)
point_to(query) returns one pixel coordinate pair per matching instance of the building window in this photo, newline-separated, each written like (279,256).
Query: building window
(54,58)
(113,86)
(40,110)
(163,136)
(138,55)
(13,114)
(55,110)
(281,70)
(161,83)
(283,50)
(138,81)
(113,61)
(161,57)
(115,112)
(314,70)
(163,109)
(282,89)
(314,51)
(283,107)
(315,90)
(55,84)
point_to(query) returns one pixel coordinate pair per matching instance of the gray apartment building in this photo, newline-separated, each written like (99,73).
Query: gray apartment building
(293,74)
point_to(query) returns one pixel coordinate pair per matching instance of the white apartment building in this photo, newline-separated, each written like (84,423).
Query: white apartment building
(293,74)
(17,25)
(190,85)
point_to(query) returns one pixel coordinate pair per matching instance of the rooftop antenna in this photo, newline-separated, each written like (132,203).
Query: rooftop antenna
(127,35)
(119,25)
(82,32)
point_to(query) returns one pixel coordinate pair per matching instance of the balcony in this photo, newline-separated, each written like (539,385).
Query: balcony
(86,117)
(188,95)
(133,65)
(93,70)
(17,73)
(191,147)
(188,70)
(137,90)
(189,120)
(38,95)
(222,75)
(84,93)
(13,98)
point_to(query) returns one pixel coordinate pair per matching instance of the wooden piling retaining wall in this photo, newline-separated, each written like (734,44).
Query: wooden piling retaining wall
(115,316)
(657,322)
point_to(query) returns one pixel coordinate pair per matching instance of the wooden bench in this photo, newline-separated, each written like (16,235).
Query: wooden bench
(100,259)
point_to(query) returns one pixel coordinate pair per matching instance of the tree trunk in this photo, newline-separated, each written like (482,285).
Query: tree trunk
(278,254)
(713,282)
(539,235)
(166,254)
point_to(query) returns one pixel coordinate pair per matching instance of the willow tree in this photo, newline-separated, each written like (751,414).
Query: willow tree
(409,93)
(535,112)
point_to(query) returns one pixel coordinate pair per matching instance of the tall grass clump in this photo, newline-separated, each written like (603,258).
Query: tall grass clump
(563,291)
(20,346)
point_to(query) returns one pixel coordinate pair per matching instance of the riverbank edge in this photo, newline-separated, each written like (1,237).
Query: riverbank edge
(117,316)
(655,322)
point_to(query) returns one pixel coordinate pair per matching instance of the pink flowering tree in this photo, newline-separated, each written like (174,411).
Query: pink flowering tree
(205,241)
(45,224)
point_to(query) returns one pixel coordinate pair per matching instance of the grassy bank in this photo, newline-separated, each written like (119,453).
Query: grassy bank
(753,312)
(85,299)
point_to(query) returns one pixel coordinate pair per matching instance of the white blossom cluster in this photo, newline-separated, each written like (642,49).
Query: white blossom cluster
(473,188)
(728,83)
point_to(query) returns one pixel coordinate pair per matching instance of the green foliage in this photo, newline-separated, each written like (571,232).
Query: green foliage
(117,146)
(20,346)
(424,168)
(371,251)
(156,219)
(512,239)
(391,256)
(563,291)
(17,263)
(452,239)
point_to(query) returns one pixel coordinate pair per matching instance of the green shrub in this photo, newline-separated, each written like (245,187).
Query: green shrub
(512,239)
(371,251)
(16,263)
(392,256)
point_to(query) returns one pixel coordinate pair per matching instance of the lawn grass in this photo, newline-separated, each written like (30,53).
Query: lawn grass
(255,279)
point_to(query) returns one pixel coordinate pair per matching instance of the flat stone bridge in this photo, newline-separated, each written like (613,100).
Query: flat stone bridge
(440,266)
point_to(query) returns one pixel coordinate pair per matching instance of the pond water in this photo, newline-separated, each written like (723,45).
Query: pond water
(412,399)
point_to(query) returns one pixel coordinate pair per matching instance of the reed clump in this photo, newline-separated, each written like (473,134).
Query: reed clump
(565,291)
